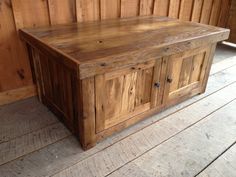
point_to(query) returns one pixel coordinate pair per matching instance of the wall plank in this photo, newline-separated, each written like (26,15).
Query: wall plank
(174,7)
(196,12)
(206,11)
(129,8)
(146,7)
(87,10)
(30,13)
(232,22)
(61,12)
(14,66)
(161,7)
(185,10)
(110,9)
(215,12)
(224,13)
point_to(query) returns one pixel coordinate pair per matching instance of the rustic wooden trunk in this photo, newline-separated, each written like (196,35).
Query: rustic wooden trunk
(100,77)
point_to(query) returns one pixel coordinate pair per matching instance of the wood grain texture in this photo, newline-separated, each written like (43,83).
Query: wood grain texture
(110,9)
(129,8)
(150,137)
(224,13)
(23,10)
(223,166)
(38,73)
(231,22)
(221,77)
(146,7)
(185,10)
(120,92)
(159,76)
(30,142)
(98,52)
(54,86)
(215,12)
(11,96)
(210,144)
(14,65)
(206,11)
(197,9)
(182,76)
(35,117)
(174,8)
(217,67)
(206,67)
(87,123)
(161,7)
(62,11)
(55,12)
(87,10)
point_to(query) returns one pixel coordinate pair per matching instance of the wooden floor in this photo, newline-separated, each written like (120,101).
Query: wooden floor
(194,138)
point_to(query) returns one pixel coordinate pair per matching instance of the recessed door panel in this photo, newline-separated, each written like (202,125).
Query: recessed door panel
(185,73)
(123,94)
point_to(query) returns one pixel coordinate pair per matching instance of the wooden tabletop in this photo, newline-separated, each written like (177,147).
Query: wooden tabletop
(90,41)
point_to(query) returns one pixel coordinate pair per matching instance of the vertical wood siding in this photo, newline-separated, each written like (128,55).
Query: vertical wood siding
(14,14)
(231,23)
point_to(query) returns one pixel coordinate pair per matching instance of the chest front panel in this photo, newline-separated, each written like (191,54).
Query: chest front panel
(123,94)
(185,72)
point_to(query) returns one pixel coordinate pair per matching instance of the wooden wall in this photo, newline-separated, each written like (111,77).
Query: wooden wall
(15,75)
(232,22)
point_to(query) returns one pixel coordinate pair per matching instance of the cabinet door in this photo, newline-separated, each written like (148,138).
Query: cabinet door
(185,74)
(125,93)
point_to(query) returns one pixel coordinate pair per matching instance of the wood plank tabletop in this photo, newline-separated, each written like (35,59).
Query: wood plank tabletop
(88,41)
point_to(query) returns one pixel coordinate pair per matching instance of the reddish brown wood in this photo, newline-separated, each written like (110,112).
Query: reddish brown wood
(101,76)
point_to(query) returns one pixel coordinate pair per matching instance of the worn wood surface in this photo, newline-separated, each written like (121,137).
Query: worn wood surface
(11,96)
(104,82)
(17,14)
(225,165)
(110,9)
(14,64)
(135,145)
(186,72)
(123,94)
(231,21)
(61,11)
(118,39)
(66,152)
(197,9)
(189,151)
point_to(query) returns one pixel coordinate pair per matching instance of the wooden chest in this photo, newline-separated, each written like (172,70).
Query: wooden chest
(100,77)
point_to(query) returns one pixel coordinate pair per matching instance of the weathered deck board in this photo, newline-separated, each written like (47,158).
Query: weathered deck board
(230,62)
(128,149)
(224,166)
(69,147)
(190,151)
(30,142)
(32,115)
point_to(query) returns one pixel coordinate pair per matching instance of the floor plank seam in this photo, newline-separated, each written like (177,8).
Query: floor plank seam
(169,114)
(35,150)
(150,148)
(171,137)
(217,157)
(222,70)
(54,123)
(153,123)
(133,132)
